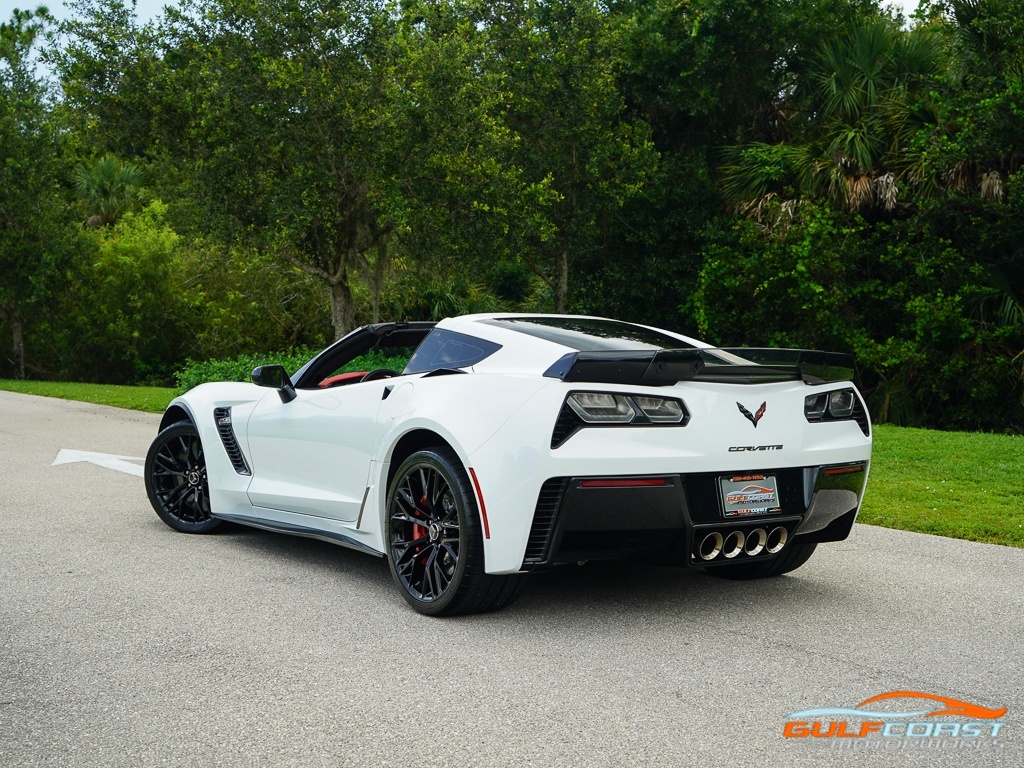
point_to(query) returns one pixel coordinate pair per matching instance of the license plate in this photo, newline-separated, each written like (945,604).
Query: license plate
(748,495)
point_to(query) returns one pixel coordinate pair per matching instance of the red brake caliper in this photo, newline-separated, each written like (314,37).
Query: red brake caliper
(419,531)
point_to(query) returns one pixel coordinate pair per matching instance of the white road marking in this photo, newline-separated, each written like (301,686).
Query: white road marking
(107,460)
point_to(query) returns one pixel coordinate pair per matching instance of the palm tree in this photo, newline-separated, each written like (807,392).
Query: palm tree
(866,96)
(109,188)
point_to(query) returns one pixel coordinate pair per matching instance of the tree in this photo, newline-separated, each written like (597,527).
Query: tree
(111,72)
(866,101)
(33,215)
(448,177)
(314,134)
(108,187)
(701,74)
(572,131)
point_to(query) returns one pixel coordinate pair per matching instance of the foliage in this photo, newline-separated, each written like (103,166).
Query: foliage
(108,187)
(865,97)
(703,75)
(806,172)
(36,240)
(127,317)
(239,368)
(897,295)
(109,71)
(305,132)
(572,130)
(241,299)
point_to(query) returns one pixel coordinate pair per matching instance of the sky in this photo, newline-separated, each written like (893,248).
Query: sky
(145,9)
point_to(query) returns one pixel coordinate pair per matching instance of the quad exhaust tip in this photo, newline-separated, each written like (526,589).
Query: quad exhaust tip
(733,544)
(755,542)
(777,540)
(736,542)
(711,546)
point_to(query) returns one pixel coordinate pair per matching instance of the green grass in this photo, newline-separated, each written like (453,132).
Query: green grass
(958,484)
(152,399)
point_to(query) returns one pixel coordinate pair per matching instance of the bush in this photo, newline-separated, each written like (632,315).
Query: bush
(915,310)
(240,368)
(125,317)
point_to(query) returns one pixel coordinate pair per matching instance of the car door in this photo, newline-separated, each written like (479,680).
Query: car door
(312,455)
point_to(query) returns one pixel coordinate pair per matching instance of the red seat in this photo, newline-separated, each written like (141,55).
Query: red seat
(341,378)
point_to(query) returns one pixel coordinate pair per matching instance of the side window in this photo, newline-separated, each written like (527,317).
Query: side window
(395,358)
(447,349)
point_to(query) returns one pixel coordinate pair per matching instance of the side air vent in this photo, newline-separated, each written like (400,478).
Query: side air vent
(860,415)
(567,424)
(548,502)
(227,436)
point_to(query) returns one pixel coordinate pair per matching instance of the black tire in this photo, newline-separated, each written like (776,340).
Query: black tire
(796,554)
(435,545)
(176,480)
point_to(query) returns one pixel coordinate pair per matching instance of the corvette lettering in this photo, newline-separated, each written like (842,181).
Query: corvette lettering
(741,448)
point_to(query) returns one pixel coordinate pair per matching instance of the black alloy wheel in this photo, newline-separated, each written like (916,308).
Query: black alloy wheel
(435,542)
(176,480)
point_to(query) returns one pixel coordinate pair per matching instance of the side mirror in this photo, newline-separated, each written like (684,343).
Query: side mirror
(274,377)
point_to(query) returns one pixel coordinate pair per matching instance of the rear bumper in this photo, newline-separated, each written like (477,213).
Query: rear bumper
(678,518)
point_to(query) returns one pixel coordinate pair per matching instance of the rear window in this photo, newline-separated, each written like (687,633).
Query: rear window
(590,334)
(447,349)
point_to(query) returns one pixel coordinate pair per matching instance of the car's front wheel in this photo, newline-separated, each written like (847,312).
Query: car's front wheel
(176,480)
(434,539)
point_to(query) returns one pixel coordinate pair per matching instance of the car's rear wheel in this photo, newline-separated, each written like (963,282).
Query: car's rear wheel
(176,480)
(795,555)
(434,539)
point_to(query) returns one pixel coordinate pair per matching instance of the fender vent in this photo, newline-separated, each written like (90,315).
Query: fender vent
(548,503)
(227,436)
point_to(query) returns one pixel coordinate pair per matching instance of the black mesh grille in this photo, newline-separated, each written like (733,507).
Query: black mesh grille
(222,416)
(860,415)
(548,502)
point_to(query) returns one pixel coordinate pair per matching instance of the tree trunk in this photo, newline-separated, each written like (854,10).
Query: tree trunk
(342,311)
(377,277)
(18,337)
(561,281)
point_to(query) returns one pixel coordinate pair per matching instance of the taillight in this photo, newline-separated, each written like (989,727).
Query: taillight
(838,405)
(601,408)
(613,409)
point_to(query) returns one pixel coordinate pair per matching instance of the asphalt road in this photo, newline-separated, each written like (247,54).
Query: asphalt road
(123,643)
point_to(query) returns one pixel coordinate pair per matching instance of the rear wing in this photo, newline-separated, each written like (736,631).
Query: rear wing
(736,365)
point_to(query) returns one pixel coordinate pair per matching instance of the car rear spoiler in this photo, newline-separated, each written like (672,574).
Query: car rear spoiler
(737,365)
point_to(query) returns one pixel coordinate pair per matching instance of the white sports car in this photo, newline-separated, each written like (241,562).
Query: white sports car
(509,444)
